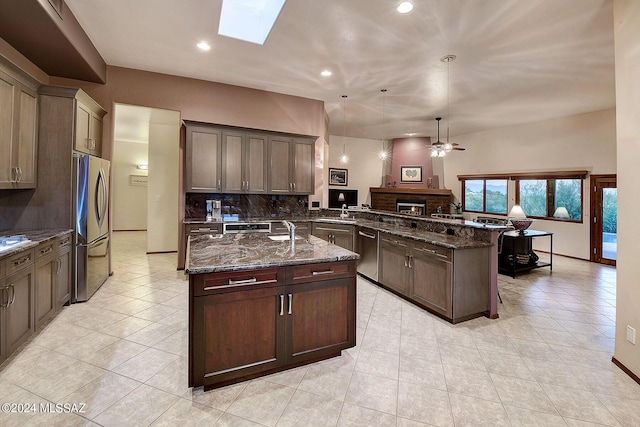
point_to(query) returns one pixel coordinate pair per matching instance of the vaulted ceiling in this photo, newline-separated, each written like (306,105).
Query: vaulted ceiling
(517,61)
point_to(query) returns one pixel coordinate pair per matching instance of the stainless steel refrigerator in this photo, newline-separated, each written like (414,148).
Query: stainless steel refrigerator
(91,237)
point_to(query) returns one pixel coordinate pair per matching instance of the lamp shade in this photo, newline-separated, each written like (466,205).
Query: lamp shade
(341,197)
(561,212)
(517,212)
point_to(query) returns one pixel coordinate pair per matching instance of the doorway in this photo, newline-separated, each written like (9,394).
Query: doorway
(604,223)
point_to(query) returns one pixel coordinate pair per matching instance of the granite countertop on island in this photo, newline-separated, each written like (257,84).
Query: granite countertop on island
(211,253)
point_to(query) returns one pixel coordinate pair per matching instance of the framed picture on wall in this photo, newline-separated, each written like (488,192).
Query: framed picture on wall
(410,173)
(337,176)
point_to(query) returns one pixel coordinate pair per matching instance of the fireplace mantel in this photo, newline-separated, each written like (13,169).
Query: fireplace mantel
(436,200)
(413,191)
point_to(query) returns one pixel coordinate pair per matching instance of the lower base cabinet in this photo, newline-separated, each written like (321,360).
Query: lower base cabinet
(452,283)
(338,234)
(247,324)
(17,318)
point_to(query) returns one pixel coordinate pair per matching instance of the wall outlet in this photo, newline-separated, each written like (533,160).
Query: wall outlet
(631,334)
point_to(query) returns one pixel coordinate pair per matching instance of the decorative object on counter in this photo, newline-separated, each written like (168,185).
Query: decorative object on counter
(561,212)
(338,176)
(410,174)
(519,219)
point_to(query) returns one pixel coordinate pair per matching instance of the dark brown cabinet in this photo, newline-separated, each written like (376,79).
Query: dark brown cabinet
(291,166)
(17,319)
(231,160)
(244,162)
(204,158)
(338,234)
(453,284)
(245,324)
(52,277)
(18,131)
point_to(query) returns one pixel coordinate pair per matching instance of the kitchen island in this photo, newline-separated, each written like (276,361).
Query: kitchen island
(259,305)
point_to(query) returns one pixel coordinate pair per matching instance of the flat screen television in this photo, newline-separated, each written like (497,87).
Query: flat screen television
(350,197)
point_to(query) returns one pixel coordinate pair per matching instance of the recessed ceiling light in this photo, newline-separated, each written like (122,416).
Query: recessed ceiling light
(203,46)
(325,73)
(405,7)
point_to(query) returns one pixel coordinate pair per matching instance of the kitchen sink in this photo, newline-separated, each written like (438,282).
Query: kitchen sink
(282,237)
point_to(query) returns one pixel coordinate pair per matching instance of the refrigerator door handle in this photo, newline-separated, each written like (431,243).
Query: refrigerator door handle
(101,205)
(95,243)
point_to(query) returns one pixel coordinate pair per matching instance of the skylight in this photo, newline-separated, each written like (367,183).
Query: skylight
(249,20)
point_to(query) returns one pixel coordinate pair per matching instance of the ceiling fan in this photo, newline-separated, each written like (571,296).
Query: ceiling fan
(439,148)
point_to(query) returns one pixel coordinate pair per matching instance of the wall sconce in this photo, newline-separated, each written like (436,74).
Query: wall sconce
(142,166)
(561,212)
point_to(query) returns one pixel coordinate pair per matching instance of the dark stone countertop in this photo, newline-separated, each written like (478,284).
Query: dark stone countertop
(211,253)
(35,238)
(390,227)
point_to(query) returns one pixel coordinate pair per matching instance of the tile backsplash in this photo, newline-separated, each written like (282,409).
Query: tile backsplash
(248,205)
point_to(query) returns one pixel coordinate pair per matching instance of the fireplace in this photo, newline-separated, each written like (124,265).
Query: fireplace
(411,207)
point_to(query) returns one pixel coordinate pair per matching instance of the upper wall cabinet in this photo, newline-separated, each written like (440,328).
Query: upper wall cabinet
(232,160)
(18,131)
(291,166)
(82,114)
(204,158)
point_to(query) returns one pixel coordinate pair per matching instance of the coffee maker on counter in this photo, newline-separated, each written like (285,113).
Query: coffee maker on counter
(214,210)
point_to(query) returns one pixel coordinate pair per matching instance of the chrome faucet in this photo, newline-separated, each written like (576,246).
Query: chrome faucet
(344,213)
(291,228)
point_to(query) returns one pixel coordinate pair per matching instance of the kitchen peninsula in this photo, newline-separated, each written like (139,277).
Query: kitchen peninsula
(259,304)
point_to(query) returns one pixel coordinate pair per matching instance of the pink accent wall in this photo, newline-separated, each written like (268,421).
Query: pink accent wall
(412,152)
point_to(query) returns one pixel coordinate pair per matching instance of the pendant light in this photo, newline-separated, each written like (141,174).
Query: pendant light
(383,152)
(344,158)
(448,59)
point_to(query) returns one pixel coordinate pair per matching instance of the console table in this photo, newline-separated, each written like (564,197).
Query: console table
(517,254)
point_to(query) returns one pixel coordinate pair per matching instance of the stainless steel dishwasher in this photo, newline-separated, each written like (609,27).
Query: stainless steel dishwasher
(368,250)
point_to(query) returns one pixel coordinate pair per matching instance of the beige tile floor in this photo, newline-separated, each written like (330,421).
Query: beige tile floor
(545,362)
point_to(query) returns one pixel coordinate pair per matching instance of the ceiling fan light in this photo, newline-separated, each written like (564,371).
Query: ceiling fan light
(448,147)
(441,153)
(434,153)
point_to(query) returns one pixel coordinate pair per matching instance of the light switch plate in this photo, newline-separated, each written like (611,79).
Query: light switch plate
(631,334)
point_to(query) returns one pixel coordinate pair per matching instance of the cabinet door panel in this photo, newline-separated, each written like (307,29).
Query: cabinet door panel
(63,278)
(344,240)
(255,170)
(6,125)
(393,266)
(27,140)
(319,320)
(46,270)
(232,162)
(237,334)
(431,282)
(279,164)
(83,119)
(19,316)
(303,153)
(95,134)
(204,160)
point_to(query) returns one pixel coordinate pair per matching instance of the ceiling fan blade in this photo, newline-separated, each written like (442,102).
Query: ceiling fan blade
(458,149)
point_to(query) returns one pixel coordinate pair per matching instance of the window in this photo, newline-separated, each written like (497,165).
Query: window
(485,195)
(542,197)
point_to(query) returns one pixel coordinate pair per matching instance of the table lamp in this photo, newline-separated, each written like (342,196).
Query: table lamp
(519,219)
(561,212)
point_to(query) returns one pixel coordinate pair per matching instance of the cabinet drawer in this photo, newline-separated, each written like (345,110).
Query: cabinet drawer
(385,238)
(321,271)
(279,228)
(195,229)
(3,268)
(441,253)
(217,282)
(46,248)
(19,261)
(64,241)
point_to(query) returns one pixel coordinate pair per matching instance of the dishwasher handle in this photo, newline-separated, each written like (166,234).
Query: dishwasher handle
(367,235)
